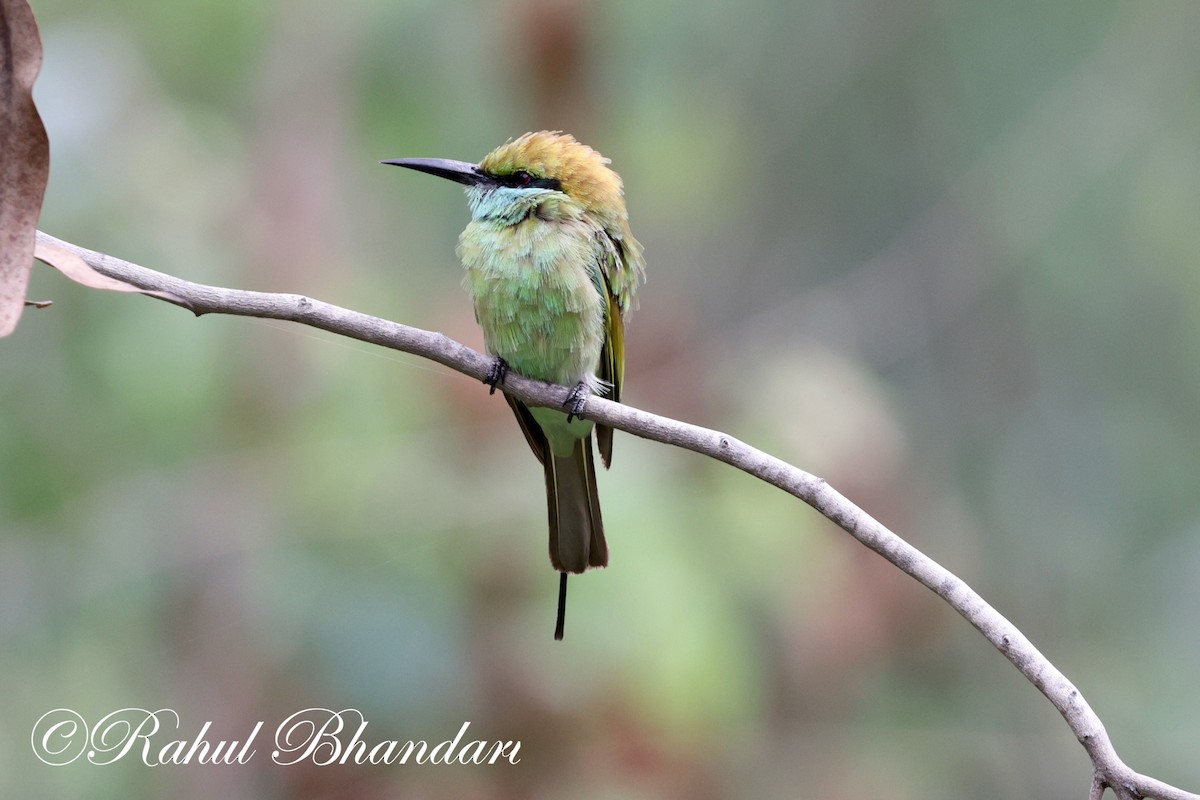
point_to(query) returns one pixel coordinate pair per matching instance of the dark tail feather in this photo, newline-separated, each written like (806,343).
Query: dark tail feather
(561,620)
(576,530)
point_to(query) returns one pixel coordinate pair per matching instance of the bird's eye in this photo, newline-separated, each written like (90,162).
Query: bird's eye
(521,178)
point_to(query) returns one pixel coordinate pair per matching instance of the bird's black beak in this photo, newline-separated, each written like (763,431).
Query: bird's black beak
(457,171)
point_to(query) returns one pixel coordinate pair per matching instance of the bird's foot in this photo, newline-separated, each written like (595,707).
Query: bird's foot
(496,374)
(576,401)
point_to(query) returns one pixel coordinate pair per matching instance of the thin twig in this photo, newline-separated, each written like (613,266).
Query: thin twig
(1109,771)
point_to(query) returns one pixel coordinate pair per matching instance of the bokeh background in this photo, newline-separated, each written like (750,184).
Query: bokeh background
(943,254)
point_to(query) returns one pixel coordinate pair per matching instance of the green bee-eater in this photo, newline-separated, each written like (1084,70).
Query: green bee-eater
(552,268)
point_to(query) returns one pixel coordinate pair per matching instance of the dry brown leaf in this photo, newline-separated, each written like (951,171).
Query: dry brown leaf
(74,267)
(24,156)
(78,270)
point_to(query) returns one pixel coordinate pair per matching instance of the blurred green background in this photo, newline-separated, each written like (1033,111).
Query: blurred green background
(943,254)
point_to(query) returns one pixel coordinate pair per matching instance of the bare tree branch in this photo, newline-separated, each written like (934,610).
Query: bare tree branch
(1109,771)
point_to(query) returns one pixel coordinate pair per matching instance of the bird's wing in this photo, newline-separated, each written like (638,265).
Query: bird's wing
(612,357)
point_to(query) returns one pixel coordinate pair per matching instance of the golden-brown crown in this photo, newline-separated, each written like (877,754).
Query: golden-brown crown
(582,173)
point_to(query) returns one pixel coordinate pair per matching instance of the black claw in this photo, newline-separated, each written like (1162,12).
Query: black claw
(496,374)
(576,402)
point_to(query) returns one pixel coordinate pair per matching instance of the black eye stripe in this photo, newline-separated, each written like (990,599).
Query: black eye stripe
(522,179)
